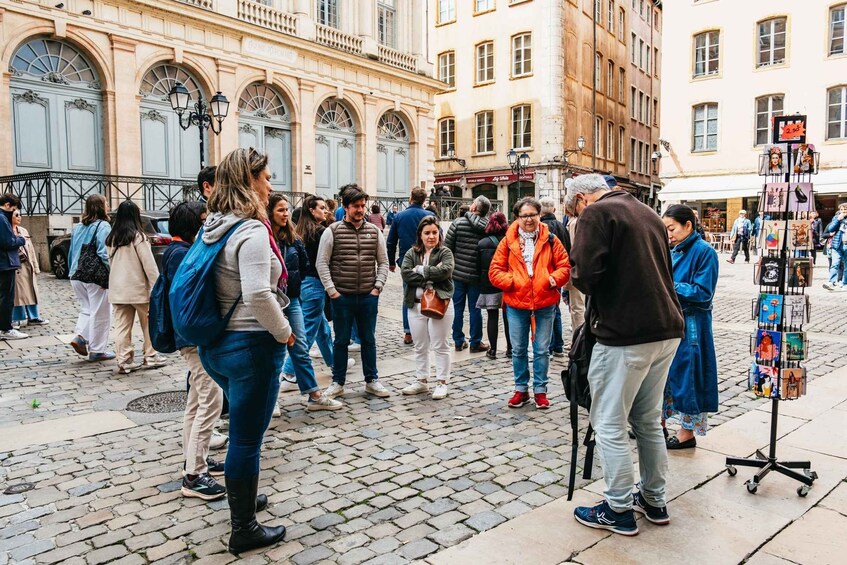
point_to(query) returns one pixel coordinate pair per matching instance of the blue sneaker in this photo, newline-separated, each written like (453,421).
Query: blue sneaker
(603,517)
(95,357)
(655,514)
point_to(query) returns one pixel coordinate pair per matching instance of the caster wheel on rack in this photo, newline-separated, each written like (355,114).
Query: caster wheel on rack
(811,474)
(803,490)
(752,486)
(731,470)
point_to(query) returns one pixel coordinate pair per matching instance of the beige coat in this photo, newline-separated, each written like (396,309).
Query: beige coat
(132,273)
(26,280)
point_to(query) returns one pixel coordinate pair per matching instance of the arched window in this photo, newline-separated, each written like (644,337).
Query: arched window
(53,61)
(391,126)
(262,101)
(159,80)
(333,115)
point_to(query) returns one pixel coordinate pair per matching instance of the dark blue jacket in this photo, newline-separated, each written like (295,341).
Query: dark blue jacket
(837,227)
(297,264)
(404,230)
(693,376)
(10,259)
(171,259)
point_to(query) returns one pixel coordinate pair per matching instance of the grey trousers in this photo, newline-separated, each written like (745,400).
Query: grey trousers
(627,384)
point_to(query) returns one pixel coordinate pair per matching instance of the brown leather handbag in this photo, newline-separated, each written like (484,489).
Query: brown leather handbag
(431,305)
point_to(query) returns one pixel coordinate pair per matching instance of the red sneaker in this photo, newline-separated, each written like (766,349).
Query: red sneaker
(541,401)
(519,399)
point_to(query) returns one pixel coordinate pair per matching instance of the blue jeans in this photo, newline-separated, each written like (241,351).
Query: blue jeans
(837,257)
(312,296)
(298,354)
(462,291)
(360,309)
(24,313)
(246,366)
(558,342)
(519,330)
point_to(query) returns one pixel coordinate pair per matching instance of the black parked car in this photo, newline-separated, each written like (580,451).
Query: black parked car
(155,225)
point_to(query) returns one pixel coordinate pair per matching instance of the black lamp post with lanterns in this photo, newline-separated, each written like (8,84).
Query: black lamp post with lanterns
(204,116)
(518,163)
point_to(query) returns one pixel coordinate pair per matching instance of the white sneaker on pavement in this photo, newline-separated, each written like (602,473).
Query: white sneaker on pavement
(13,334)
(277,413)
(128,368)
(315,352)
(417,387)
(440,391)
(154,362)
(829,286)
(288,383)
(218,440)
(375,388)
(323,403)
(354,347)
(350,363)
(333,390)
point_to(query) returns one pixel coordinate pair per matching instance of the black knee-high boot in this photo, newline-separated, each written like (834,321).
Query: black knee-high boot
(247,533)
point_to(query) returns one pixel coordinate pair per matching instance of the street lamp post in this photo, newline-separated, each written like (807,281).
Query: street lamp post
(203,116)
(580,145)
(518,163)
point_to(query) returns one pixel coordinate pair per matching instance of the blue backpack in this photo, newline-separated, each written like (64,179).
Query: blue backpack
(193,304)
(161,329)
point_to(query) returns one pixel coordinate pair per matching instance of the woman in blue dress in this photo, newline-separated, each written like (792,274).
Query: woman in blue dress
(692,387)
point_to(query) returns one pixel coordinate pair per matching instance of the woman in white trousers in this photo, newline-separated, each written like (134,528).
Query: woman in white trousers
(429,264)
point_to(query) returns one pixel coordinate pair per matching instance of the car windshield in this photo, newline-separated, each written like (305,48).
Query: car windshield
(161,226)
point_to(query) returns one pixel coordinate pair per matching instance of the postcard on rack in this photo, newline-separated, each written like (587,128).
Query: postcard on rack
(763,380)
(800,234)
(804,158)
(771,271)
(774,160)
(792,383)
(799,273)
(772,231)
(770,309)
(768,345)
(800,197)
(796,309)
(794,347)
(775,196)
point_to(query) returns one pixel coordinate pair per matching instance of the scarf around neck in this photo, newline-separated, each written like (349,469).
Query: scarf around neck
(528,247)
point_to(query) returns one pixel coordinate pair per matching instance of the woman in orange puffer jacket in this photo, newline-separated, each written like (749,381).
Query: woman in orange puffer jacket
(530,266)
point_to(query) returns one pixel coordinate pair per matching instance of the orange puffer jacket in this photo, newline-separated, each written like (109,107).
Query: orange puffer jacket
(508,271)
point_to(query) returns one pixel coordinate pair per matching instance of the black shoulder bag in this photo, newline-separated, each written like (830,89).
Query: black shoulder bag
(90,268)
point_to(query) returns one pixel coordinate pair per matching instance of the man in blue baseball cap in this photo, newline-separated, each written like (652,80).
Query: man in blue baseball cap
(610,180)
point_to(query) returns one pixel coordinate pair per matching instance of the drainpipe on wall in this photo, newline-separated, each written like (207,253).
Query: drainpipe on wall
(594,91)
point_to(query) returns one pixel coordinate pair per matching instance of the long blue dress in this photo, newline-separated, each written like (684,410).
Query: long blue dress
(692,388)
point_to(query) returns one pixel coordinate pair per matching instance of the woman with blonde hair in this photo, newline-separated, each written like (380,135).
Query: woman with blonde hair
(26,280)
(246,361)
(133,274)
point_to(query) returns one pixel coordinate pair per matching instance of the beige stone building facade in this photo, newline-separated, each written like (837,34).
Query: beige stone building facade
(536,76)
(734,67)
(334,90)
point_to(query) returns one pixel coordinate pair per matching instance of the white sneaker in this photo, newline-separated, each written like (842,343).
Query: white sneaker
(128,368)
(323,403)
(315,352)
(155,362)
(218,440)
(375,388)
(13,334)
(829,286)
(288,383)
(354,347)
(350,363)
(38,322)
(440,391)
(334,390)
(277,413)
(417,387)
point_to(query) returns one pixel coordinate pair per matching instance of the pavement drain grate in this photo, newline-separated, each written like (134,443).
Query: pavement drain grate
(19,488)
(159,403)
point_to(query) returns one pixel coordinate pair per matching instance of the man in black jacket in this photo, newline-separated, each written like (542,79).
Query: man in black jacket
(557,228)
(10,262)
(462,239)
(621,259)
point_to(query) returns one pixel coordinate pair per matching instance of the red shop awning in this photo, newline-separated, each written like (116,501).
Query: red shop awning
(493,177)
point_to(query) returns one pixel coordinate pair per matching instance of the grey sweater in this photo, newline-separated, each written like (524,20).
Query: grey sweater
(248,267)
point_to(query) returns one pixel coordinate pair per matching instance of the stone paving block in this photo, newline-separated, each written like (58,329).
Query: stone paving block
(485,521)
(387,559)
(311,555)
(106,554)
(356,556)
(346,543)
(439,506)
(325,521)
(384,545)
(17,529)
(82,490)
(111,538)
(451,535)
(167,549)
(62,554)
(415,533)
(147,540)
(446,519)
(17,541)
(23,552)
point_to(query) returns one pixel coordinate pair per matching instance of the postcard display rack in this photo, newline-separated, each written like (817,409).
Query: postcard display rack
(783,273)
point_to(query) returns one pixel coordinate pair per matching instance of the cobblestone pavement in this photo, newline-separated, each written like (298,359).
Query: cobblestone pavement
(382,481)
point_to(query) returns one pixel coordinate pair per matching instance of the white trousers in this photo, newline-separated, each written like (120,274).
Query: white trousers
(205,399)
(94,316)
(431,336)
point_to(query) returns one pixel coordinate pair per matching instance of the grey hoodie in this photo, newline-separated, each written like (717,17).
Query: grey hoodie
(247,266)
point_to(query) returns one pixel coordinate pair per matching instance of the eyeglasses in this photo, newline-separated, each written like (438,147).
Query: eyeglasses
(528,217)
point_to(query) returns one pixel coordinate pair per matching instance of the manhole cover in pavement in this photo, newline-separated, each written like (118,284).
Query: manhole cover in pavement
(19,488)
(159,403)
